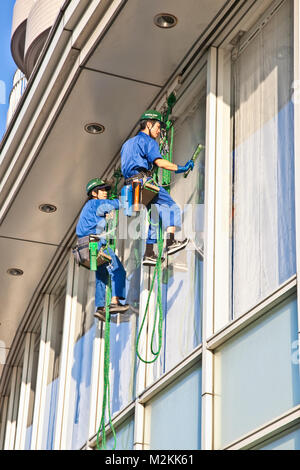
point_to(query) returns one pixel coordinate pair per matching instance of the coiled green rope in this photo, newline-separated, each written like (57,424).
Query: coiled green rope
(156,275)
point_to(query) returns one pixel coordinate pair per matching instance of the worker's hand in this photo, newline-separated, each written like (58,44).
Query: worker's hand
(188,166)
(109,215)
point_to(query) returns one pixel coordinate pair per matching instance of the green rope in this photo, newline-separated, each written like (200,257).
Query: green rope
(106,386)
(156,274)
(111,229)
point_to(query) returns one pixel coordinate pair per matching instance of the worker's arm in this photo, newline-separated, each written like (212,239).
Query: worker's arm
(105,206)
(162,163)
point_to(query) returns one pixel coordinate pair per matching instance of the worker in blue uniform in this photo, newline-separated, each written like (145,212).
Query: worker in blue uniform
(92,221)
(138,157)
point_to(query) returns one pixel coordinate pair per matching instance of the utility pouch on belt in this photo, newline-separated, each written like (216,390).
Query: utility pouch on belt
(149,191)
(135,193)
(86,252)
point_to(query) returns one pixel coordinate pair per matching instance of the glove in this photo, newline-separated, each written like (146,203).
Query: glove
(188,166)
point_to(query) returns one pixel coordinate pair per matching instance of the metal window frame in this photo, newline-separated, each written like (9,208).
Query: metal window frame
(11,423)
(267,431)
(238,324)
(68,341)
(26,381)
(209,258)
(296,8)
(44,365)
(4,408)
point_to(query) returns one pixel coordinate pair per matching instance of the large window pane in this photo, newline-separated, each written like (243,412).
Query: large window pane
(33,388)
(79,399)
(167,429)
(263,246)
(123,331)
(256,374)
(50,410)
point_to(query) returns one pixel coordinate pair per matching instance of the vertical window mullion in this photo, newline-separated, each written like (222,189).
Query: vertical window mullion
(209,224)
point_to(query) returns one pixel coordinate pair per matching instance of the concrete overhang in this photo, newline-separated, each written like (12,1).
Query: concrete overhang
(104,61)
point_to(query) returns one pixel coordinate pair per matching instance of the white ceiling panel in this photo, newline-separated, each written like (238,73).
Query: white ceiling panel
(138,49)
(16,292)
(70,156)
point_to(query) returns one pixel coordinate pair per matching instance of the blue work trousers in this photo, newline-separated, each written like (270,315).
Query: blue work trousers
(165,209)
(118,279)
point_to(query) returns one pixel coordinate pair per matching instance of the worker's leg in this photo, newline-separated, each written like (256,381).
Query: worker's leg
(118,283)
(118,276)
(101,282)
(164,207)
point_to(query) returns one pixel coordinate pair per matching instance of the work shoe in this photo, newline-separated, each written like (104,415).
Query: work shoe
(151,260)
(176,246)
(113,309)
(118,308)
(100,314)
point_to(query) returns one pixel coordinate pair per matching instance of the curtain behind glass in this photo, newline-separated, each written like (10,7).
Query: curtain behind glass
(263,164)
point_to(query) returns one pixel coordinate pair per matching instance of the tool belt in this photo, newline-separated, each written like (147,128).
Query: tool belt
(81,251)
(143,192)
(142,175)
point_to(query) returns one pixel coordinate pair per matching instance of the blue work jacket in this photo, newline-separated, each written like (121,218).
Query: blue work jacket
(92,217)
(138,154)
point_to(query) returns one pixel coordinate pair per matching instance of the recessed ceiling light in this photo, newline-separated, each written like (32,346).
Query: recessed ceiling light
(15,272)
(47,208)
(94,128)
(165,20)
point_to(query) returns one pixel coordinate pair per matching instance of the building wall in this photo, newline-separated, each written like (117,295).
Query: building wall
(32,21)
(19,85)
(229,364)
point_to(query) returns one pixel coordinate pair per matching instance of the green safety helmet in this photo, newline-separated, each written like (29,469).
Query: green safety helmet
(153,115)
(95,183)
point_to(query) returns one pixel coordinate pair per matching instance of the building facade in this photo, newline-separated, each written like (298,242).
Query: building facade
(227,376)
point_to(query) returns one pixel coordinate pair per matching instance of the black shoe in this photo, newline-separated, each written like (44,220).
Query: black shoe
(100,314)
(118,308)
(151,260)
(176,246)
(113,309)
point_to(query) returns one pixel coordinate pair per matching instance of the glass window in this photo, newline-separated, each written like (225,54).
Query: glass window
(165,429)
(124,436)
(79,398)
(289,440)
(256,374)
(123,330)
(54,365)
(263,227)
(33,387)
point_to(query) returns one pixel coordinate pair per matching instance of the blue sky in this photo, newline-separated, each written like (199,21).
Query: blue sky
(7,65)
